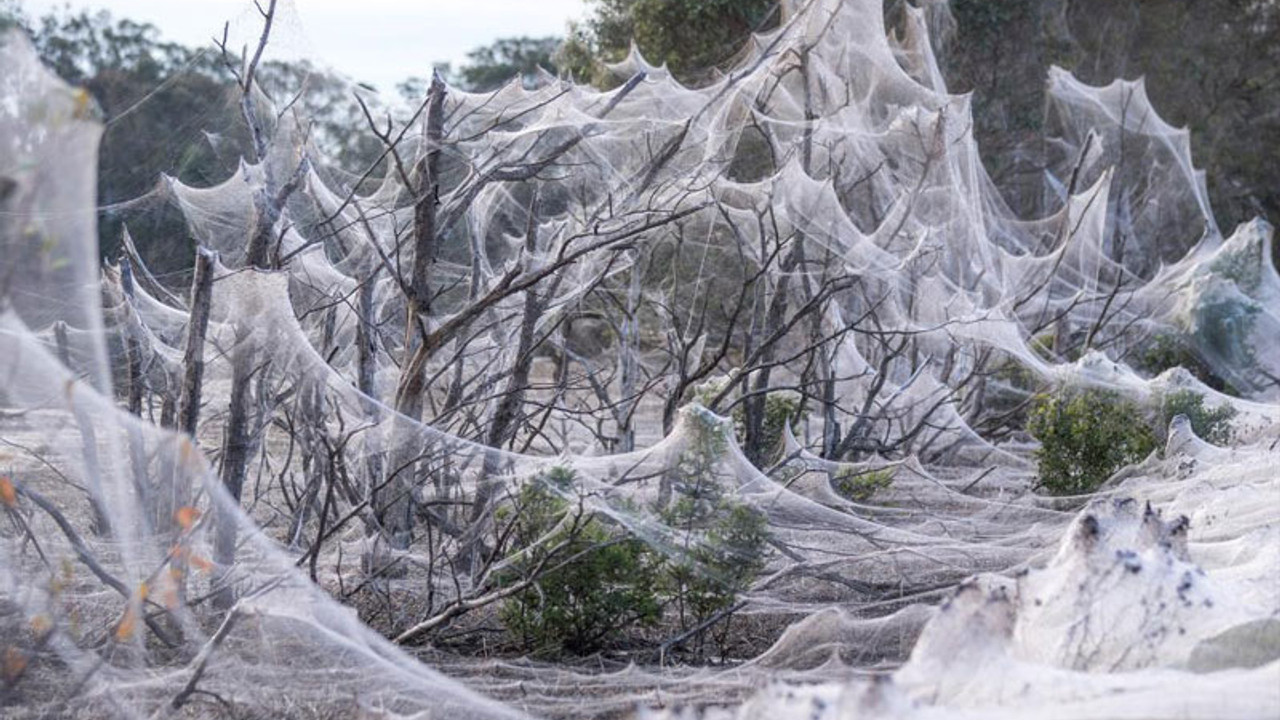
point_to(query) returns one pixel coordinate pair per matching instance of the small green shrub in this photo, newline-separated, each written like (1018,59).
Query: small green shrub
(1041,345)
(595,581)
(724,553)
(1085,436)
(706,391)
(723,541)
(780,408)
(1225,326)
(1211,424)
(859,486)
(1243,267)
(1168,350)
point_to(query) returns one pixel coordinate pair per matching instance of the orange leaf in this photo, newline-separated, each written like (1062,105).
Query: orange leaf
(8,493)
(200,563)
(186,517)
(15,661)
(128,623)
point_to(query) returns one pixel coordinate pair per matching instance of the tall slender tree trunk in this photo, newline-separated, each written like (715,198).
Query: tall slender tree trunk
(393,503)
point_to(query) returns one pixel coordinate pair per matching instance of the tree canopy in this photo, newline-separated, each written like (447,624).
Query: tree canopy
(690,37)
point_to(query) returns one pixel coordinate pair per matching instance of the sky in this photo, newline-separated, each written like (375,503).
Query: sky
(376,41)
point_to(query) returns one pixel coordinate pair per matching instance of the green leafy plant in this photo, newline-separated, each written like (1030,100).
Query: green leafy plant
(1211,424)
(590,583)
(1085,436)
(860,485)
(1226,324)
(1041,345)
(777,407)
(1167,350)
(593,582)
(688,36)
(1243,267)
(780,408)
(723,541)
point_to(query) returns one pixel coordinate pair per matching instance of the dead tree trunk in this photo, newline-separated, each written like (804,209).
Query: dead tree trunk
(193,353)
(754,406)
(235,458)
(629,350)
(186,418)
(366,372)
(507,416)
(132,349)
(393,503)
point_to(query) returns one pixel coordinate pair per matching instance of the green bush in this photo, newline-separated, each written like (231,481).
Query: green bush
(594,582)
(1085,436)
(723,541)
(1168,350)
(1243,267)
(1225,326)
(724,553)
(859,486)
(780,408)
(1212,425)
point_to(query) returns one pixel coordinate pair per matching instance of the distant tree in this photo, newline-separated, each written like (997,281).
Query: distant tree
(692,37)
(328,101)
(172,109)
(491,66)
(1209,66)
(157,98)
(11,15)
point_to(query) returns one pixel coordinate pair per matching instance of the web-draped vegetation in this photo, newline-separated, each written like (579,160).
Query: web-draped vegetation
(725,383)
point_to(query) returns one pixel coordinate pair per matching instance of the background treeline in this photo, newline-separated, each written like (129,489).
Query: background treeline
(1212,66)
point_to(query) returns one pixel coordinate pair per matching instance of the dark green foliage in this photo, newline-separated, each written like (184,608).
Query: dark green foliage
(1210,424)
(595,582)
(1167,350)
(1243,267)
(1224,325)
(1209,66)
(122,63)
(159,99)
(723,542)
(725,553)
(1085,436)
(494,65)
(689,36)
(859,486)
(779,409)
(11,15)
